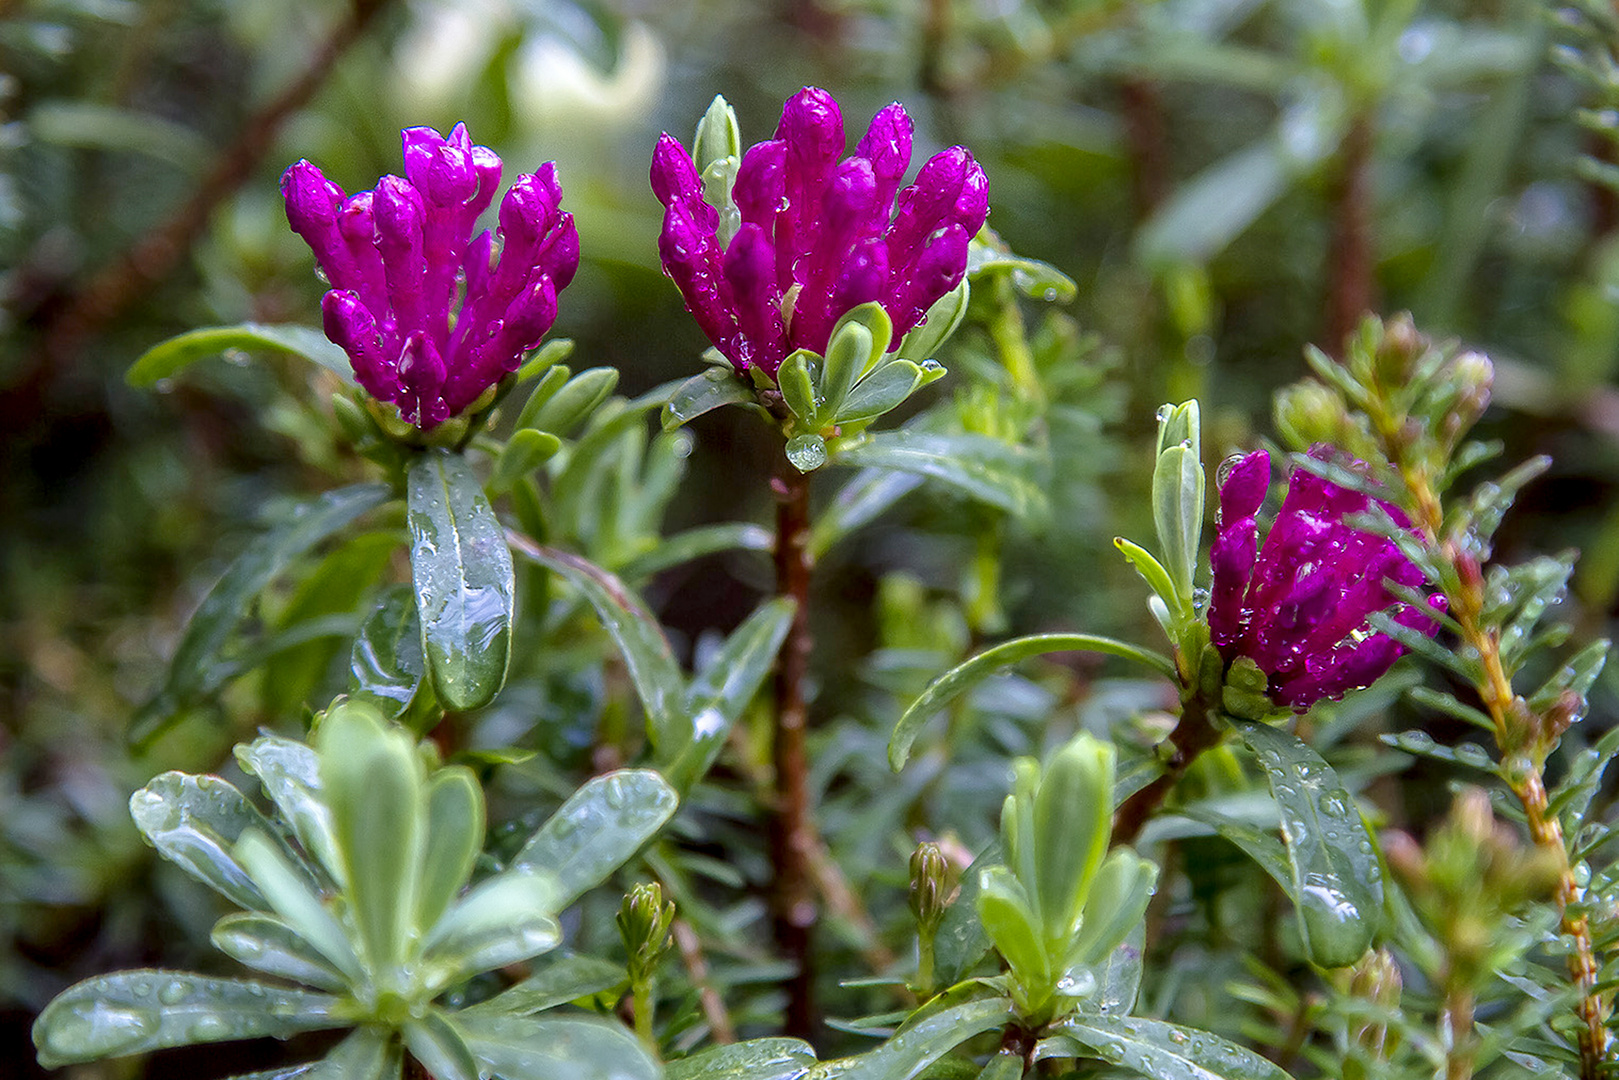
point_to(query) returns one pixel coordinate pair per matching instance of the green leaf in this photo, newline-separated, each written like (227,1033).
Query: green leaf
(194,821)
(556,1048)
(524,452)
(434,1041)
(777,1058)
(367,1053)
(807,452)
(798,388)
(941,320)
(1118,979)
(1005,1065)
(882,390)
(704,392)
(386,664)
(192,673)
(651,663)
(455,828)
(720,692)
(958,680)
(1157,1050)
(543,392)
(697,542)
(274,946)
(505,919)
(919,1044)
(548,356)
(861,500)
(299,905)
(573,403)
(848,353)
(1337,882)
(135,1011)
(1033,278)
(178,353)
(1257,844)
(984,468)
(563,979)
(373,779)
(599,828)
(289,772)
(335,588)
(1014,927)
(1177,511)
(1212,208)
(960,941)
(462,569)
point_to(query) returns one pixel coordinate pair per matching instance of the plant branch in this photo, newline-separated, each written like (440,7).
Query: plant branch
(713,1005)
(1351,262)
(793,839)
(1194,733)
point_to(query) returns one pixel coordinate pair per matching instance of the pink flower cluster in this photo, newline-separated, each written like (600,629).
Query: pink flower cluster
(429,315)
(819,236)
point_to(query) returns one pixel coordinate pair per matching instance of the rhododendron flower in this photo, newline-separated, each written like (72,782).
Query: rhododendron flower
(818,236)
(1299,605)
(430,315)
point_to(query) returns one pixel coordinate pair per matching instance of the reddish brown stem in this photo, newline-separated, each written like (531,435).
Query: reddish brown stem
(793,840)
(1147,139)
(1351,262)
(1193,734)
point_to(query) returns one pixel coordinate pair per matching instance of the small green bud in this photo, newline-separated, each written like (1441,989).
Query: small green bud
(1308,413)
(718,135)
(930,886)
(643,924)
(1474,377)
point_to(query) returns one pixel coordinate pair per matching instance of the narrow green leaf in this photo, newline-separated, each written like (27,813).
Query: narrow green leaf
(1013,926)
(847,354)
(798,388)
(373,779)
(941,321)
(135,1011)
(194,821)
(434,1041)
(455,828)
(1337,881)
(705,392)
(1266,850)
(1005,1065)
(548,356)
(505,919)
(173,356)
(1211,209)
(697,542)
(300,906)
(557,1048)
(599,828)
(776,1058)
(462,569)
(861,501)
(1157,1050)
(386,665)
(367,1053)
(639,638)
(1036,279)
(274,946)
(1177,511)
(920,1044)
(573,403)
(720,692)
(564,978)
(289,772)
(544,390)
(230,602)
(984,468)
(884,389)
(958,680)
(524,452)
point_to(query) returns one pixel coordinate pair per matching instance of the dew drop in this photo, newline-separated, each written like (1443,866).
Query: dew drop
(209,1029)
(173,993)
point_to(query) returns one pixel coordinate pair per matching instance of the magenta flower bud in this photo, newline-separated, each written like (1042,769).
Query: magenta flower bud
(674,174)
(761,182)
(829,228)
(1299,605)
(428,316)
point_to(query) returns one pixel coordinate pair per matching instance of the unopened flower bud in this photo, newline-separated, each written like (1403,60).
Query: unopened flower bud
(930,886)
(1308,413)
(643,923)
(1568,707)
(1398,351)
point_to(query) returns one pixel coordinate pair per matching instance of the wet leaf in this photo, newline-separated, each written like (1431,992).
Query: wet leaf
(299,905)
(705,392)
(194,821)
(1157,1050)
(1336,880)
(860,501)
(987,469)
(169,358)
(563,979)
(918,1045)
(462,569)
(599,828)
(434,1041)
(696,543)
(573,403)
(455,830)
(272,945)
(289,772)
(557,1048)
(505,919)
(135,1011)
(386,664)
(757,1059)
